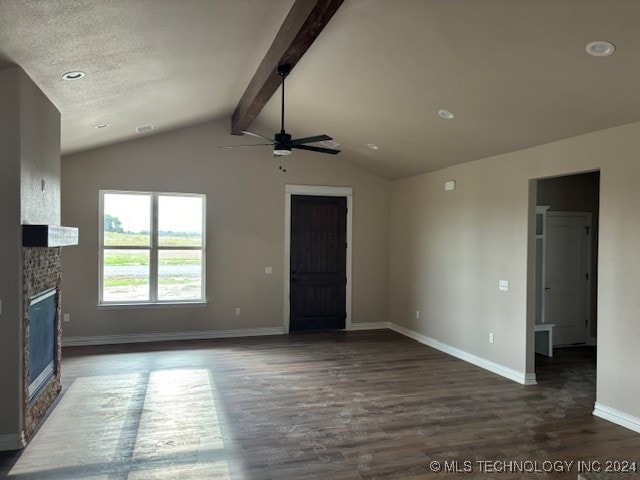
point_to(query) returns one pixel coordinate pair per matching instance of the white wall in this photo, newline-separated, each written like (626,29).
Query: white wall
(448,250)
(245,228)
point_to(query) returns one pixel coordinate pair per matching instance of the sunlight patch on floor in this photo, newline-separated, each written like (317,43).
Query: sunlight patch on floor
(163,427)
(85,426)
(179,424)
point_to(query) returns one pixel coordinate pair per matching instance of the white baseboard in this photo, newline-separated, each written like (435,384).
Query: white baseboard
(11,441)
(617,417)
(515,375)
(370,326)
(169,336)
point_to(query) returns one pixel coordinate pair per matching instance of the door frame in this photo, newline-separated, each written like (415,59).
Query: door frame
(320,191)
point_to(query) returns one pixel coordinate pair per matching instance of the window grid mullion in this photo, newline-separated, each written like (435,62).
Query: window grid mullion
(153,273)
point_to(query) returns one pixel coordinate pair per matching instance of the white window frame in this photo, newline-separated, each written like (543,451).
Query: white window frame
(153,249)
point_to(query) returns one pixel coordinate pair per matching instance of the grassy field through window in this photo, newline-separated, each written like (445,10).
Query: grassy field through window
(126,272)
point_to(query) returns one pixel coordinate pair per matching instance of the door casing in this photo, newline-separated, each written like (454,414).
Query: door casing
(322,191)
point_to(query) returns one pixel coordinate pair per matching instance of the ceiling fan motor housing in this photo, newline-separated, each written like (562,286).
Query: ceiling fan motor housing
(282,143)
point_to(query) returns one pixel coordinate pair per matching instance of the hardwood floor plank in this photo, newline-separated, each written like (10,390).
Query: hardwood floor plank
(338,406)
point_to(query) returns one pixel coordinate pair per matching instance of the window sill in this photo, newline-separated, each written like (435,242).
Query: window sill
(134,306)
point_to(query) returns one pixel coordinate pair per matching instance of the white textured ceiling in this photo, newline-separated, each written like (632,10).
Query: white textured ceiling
(514,72)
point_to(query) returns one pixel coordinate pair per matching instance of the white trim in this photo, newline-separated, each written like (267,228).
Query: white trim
(11,441)
(123,306)
(515,375)
(369,326)
(323,191)
(169,336)
(617,416)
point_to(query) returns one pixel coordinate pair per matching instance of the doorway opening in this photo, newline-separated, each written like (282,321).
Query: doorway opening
(566,279)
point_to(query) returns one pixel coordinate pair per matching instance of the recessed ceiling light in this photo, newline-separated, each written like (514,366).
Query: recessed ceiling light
(373,146)
(102,125)
(144,128)
(446,114)
(75,75)
(600,49)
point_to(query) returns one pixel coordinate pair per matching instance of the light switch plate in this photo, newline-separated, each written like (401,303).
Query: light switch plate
(503,285)
(268,270)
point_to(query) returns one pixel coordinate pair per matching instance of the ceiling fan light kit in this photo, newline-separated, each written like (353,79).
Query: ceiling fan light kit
(282,142)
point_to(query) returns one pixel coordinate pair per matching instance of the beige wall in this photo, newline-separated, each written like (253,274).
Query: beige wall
(448,250)
(10,286)
(29,148)
(40,153)
(245,228)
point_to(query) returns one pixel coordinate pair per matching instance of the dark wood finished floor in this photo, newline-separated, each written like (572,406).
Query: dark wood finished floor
(339,406)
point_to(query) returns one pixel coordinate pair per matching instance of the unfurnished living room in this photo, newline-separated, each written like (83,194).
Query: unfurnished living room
(319,239)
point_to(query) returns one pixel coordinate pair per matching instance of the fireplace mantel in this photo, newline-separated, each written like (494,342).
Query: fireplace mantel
(34,236)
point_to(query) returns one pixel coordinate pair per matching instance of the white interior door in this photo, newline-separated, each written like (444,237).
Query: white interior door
(567,276)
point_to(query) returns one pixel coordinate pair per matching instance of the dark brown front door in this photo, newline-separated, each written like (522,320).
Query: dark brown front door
(318,262)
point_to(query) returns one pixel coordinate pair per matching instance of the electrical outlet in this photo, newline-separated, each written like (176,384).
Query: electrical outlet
(65,318)
(417,313)
(237,312)
(268,270)
(490,337)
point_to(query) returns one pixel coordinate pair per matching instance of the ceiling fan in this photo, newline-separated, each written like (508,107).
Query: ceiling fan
(282,142)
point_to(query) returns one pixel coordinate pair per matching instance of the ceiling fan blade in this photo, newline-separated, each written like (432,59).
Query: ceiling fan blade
(253,134)
(252,145)
(331,151)
(317,138)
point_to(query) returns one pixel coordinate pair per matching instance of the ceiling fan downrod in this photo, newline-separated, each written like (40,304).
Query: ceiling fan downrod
(282,139)
(283,71)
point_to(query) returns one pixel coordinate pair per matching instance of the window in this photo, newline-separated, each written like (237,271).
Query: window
(152,248)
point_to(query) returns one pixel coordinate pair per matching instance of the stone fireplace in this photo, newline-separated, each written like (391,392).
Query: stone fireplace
(41,274)
(41,319)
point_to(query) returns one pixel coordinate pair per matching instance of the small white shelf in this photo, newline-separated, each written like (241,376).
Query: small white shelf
(544,345)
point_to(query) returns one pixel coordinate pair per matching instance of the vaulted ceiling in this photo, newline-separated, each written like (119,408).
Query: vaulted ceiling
(514,73)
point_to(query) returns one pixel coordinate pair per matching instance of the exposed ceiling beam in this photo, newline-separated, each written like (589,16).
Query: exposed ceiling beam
(305,21)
